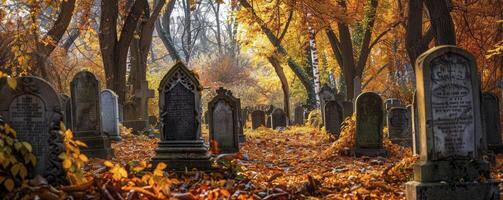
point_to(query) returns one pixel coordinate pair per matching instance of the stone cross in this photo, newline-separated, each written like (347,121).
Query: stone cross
(144,93)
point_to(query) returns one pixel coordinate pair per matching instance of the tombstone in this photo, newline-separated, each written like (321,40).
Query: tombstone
(357,84)
(33,109)
(224,121)
(258,119)
(86,117)
(369,124)
(451,164)
(268,120)
(181,146)
(333,118)
(244,116)
(326,94)
(66,103)
(278,118)
(415,133)
(392,102)
(398,126)
(110,114)
(299,115)
(410,112)
(491,120)
(347,108)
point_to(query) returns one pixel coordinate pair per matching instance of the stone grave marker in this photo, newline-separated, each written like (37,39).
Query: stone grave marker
(299,115)
(491,120)
(326,94)
(268,121)
(258,119)
(181,146)
(333,118)
(224,121)
(110,114)
(450,128)
(66,103)
(415,133)
(392,102)
(369,125)
(278,118)
(33,110)
(398,126)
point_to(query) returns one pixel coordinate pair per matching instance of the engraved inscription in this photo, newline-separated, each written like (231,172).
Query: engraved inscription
(179,114)
(223,126)
(452,106)
(27,117)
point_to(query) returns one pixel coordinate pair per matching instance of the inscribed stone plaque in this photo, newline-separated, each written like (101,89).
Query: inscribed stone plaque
(369,119)
(453,122)
(333,118)
(258,119)
(110,114)
(223,126)
(180,119)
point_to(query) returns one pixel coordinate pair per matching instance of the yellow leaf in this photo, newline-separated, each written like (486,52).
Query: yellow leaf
(83,158)
(123,172)
(108,163)
(9,184)
(68,134)
(158,172)
(67,163)
(161,166)
(12,82)
(28,146)
(23,172)
(62,156)
(62,126)
(15,169)
(80,143)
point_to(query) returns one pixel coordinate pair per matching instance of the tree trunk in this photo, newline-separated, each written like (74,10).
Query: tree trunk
(284,83)
(314,64)
(441,22)
(163,29)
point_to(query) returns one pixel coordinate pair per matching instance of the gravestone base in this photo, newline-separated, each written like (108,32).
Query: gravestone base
(137,125)
(460,191)
(451,170)
(369,152)
(98,147)
(404,142)
(180,155)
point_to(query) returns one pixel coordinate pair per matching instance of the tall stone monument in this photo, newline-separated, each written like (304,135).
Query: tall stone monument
(86,115)
(369,125)
(333,118)
(110,114)
(33,110)
(450,129)
(224,121)
(181,146)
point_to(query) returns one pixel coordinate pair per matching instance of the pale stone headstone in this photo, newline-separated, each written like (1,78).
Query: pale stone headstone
(369,125)
(398,126)
(224,121)
(181,146)
(451,164)
(491,119)
(33,110)
(258,119)
(66,103)
(110,114)
(333,118)
(86,117)
(278,118)
(299,115)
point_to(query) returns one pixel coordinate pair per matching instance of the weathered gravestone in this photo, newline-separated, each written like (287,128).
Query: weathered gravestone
(181,146)
(410,111)
(86,117)
(33,110)
(224,121)
(110,114)
(278,118)
(398,126)
(369,124)
(347,108)
(66,103)
(491,121)
(333,118)
(299,115)
(415,133)
(258,119)
(448,98)
(326,94)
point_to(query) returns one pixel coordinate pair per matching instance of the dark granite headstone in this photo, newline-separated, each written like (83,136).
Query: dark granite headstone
(326,94)
(299,115)
(86,115)
(110,114)
(278,118)
(224,121)
(369,124)
(491,119)
(33,110)
(333,118)
(181,146)
(258,119)
(398,126)
(451,164)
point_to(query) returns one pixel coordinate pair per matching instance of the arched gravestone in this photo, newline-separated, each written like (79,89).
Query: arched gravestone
(450,129)
(299,115)
(33,110)
(258,119)
(278,118)
(491,120)
(369,124)
(86,115)
(398,126)
(66,103)
(333,118)
(181,146)
(224,121)
(110,114)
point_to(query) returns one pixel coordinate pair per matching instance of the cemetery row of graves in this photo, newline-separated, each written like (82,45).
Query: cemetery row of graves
(443,146)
